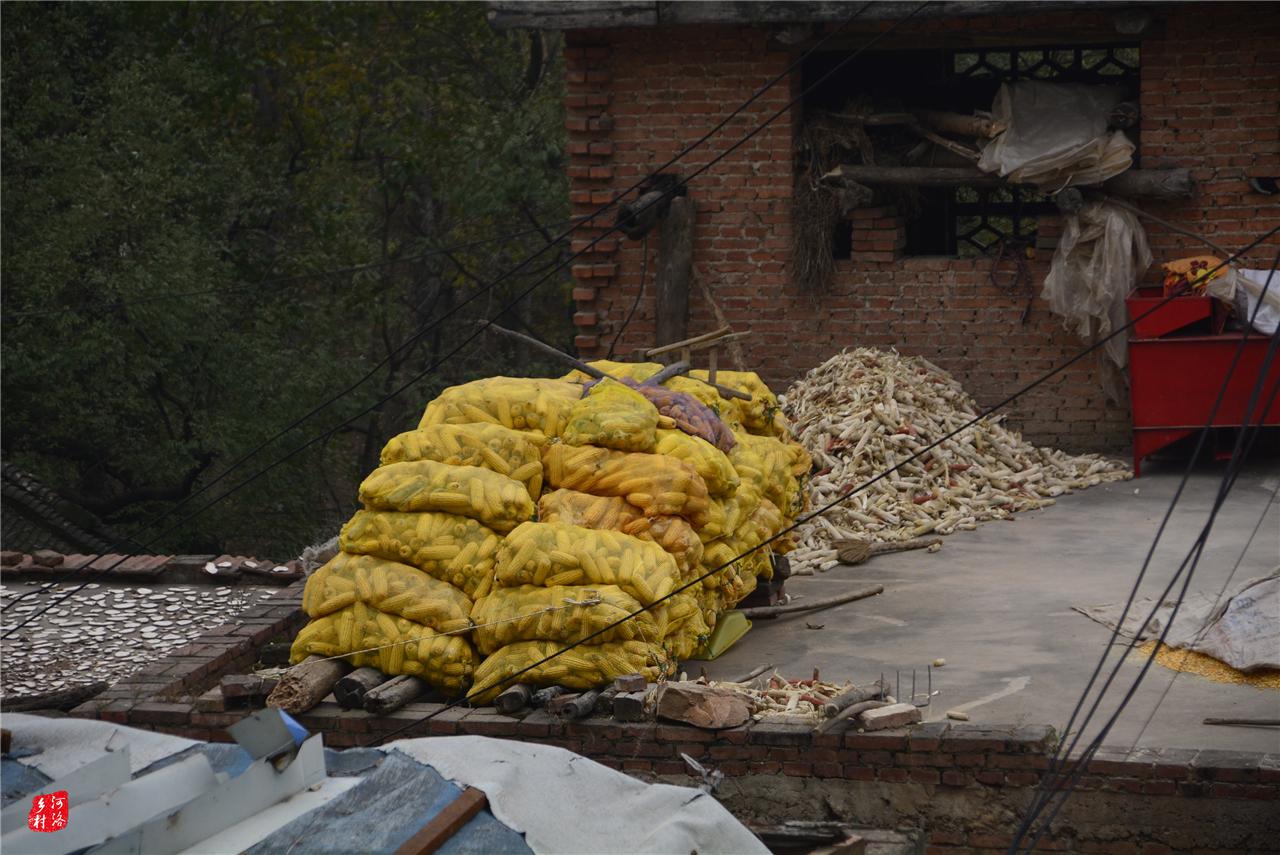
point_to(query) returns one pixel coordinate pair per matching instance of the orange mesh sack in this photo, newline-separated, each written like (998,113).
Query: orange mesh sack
(587,666)
(425,485)
(493,447)
(561,613)
(454,549)
(519,403)
(389,587)
(673,534)
(394,645)
(549,554)
(655,483)
(615,416)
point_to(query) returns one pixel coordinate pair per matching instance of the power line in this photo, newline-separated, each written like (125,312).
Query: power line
(663,197)
(1065,750)
(843,496)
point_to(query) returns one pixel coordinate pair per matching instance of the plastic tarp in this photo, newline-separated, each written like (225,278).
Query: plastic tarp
(1243,631)
(1246,289)
(565,803)
(1056,135)
(1101,256)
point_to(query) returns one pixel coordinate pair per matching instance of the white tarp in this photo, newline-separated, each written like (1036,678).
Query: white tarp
(1243,631)
(565,803)
(1056,135)
(66,744)
(1245,289)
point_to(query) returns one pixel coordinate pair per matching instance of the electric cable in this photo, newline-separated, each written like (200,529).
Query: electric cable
(662,198)
(644,276)
(850,491)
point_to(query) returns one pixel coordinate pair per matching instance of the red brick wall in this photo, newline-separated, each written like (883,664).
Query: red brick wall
(1210,89)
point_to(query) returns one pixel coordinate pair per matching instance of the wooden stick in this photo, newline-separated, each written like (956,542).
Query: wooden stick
(688,342)
(1156,183)
(855,695)
(667,373)
(775,611)
(1245,722)
(305,684)
(349,691)
(551,351)
(445,824)
(849,712)
(752,674)
(394,694)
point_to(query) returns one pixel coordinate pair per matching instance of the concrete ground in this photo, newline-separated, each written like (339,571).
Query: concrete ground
(996,604)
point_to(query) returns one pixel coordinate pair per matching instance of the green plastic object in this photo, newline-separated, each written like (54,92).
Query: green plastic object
(729,628)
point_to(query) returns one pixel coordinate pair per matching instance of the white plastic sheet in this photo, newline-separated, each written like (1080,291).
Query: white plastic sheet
(1056,135)
(1101,256)
(1245,289)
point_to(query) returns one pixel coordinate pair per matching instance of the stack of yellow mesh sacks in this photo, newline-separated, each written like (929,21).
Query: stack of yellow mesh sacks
(399,596)
(633,509)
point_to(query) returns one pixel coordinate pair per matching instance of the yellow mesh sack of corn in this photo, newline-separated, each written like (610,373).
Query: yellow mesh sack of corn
(638,371)
(773,467)
(757,414)
(584,509)
(519,403)
(686,629)
(499,449)
(615,416)
(425,485)
(672,533)
(389,587)
(655,483)
(394,645)
(549,554)
(561,613)
(587,666)
(707,460)
(452,548)
(726,514)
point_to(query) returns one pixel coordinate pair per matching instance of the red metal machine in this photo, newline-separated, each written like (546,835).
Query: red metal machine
(1178,359)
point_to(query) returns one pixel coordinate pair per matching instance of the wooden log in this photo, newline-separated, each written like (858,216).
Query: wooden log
(394,694)
(574,706)
(349,692)
(629,706)
(826,603)
(856,695)
(675,271)
(542,697)
(849,712)
(604,703)
(1152,183)
(958,123)
(513,699)
(634,219)
(306,684)
(444,825)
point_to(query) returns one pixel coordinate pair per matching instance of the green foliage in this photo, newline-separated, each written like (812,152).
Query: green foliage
(238,149)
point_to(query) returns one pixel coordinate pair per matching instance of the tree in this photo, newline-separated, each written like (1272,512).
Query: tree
(238,154)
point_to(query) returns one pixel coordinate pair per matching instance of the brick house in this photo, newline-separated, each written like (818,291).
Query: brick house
(646,79)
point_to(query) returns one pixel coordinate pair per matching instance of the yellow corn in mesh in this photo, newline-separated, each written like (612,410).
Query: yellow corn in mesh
(638,371)
(704,393)
(676,537)
(686,629)
(738,579)
(707,460)
(499,449)
(1182,659)
(587,666)
(769,464)
(613,416)
(562,613)
(389,587)
(757,414)
(655,483)
(584,509)
(520,403)
(394,645)
(454,549)
(725,515)
(425,485)
(549,554)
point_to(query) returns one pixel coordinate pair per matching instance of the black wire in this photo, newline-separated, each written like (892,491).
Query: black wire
(677,186)
(1064,750)
(1193,557)
(840,498)
(644,275)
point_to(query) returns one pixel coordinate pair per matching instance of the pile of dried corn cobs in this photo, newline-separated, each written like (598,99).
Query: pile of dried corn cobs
(863,411)
(636,491)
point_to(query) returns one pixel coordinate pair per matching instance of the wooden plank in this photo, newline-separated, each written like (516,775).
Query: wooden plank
(561,15)
(675,271)
(446,823)
(1153,183)
(698,339)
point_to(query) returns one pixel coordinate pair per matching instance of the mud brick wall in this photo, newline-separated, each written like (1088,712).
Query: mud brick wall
(1210,92)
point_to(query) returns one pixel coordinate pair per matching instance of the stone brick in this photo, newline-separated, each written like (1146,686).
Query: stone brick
(884,718)
(767,732)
